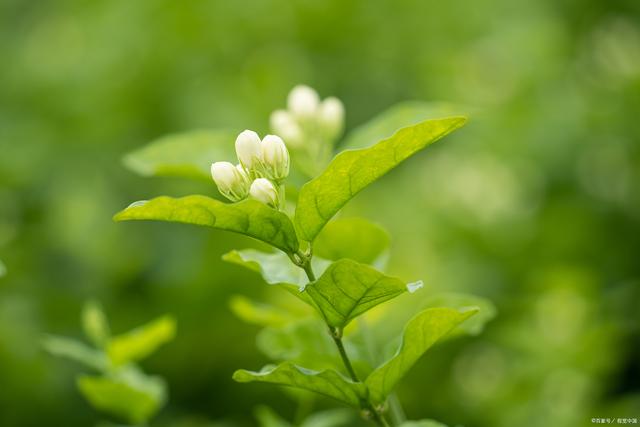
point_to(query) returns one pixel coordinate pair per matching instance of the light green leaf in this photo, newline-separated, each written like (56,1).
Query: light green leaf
(186,155)
(475,325)
(352,170)
(142,341)
(75,350)
(3,269)
(129,395)
(248,217)
(258,313)
(348,289)
(353,238)
(94,323)
(397,116)
(328,382)
(267,417)
(423,423)
(330,418)
(419,335)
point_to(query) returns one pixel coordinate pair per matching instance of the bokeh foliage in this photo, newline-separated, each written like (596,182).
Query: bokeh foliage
(534,204)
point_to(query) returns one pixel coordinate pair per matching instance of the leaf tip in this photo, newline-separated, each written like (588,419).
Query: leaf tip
(415,286)
(122,215)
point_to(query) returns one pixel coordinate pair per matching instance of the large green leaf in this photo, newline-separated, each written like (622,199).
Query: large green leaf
(248,217)
(419,335)
(75,350)
(352,170)
(187,154)
(142,341)
(353,238)
(328,382)
(397,116)
(94,323)
(475,325)
(347,289)
(130,394)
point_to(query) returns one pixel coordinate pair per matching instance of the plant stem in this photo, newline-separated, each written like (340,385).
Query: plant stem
(336,334)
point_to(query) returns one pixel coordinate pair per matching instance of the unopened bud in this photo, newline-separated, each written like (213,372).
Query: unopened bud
(303,101)
(232,181)
(285,125)
(249,150)
(263,190)
(275,158)
(331,116)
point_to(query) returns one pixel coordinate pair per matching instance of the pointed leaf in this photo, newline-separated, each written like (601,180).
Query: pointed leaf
(75,350)
(348,289)
(352,170)
(248,217)
(328,382)
(475,325)
(186,155)
(353,238)
(142,341)
(94,323)
(419,335)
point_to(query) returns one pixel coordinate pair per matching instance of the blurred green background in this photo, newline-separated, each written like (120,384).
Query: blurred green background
(535,204)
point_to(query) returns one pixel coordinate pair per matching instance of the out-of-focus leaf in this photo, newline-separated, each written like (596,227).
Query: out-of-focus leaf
(3,269)
(142,341)
(347,289)
(186,155)
(327,382)
(423,423)
(248,217)
(397,116)
(95,324)
(353,238)
(330,418)
(475,325)
(419,335)
(352,170)
(129,395)
(267,417)
(75,350)
(258,313)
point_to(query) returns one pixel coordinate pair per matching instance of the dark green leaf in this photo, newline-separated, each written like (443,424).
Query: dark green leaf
(352,170)
(248,217)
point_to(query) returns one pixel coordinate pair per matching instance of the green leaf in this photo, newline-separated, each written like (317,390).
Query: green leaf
(186,155)
(267,417)
(419,335)
(75,350)
(475,325)
(94,323)
(248,217)
(327,382)
(130,394)
(348,289)
(400,115)
(258,313)
(3,269)
(329,418)
(352,170)
(142,341)
(423,423)
(353,238)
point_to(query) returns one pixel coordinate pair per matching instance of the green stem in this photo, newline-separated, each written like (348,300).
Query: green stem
(336,334)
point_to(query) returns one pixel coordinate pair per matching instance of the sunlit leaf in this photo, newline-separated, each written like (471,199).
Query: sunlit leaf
(94,323)
(142,341)
(347,289)
(419,335)
(352,170)
(329,418)
(129,395)
(248,217)
(258,313)
(187,154)
(475,325)
(353,238)
(75,350)
(327,382)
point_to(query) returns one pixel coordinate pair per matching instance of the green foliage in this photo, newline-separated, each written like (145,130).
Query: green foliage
(267,417)
(347,289)
(352,170)
(142,341)
(423,423)
(94,323)
(248,217)
(75,350)
(327,382)
(475,324)
(420,334)
(3,269)
(184,155)
(353,238)
(257,313)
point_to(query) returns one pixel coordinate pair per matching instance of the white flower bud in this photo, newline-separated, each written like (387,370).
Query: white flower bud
(331,116)
(249,150)
(263,190)
(303,101)
(285,125)
(275,158)
(232,182)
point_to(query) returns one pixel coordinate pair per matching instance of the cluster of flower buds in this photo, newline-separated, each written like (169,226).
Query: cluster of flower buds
(307,119)
(264,164)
